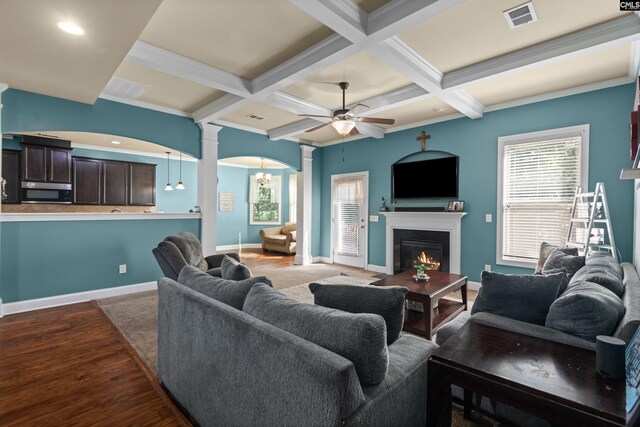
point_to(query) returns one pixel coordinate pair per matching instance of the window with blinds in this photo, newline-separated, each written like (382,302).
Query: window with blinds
(264,201)
(293,197)
(538,180)
(347,199)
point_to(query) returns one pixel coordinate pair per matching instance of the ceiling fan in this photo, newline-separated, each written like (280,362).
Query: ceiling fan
(345,121)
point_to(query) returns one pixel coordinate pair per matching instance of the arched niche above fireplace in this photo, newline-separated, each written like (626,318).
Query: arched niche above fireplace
(425,155)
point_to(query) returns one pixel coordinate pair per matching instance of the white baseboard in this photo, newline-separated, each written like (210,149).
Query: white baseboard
(323,259)
(376,268)
(473,286)
(235,247)
(48,302)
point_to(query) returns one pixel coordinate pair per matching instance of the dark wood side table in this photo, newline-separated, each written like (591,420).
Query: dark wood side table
(554,381)
(437,309)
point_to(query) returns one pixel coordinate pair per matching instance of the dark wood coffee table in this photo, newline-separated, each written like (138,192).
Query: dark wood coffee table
(437,310)
(554,381)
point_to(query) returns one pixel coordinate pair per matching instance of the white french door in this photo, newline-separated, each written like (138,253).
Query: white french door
(349,215)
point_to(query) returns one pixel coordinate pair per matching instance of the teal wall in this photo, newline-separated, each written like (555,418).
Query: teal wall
(236,143)
(31,112)
(236,181)
(41,259)
(476,142)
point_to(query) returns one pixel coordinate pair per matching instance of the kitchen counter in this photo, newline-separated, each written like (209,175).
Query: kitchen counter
(75,216)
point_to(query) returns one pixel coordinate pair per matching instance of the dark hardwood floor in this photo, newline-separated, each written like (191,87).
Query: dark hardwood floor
(69,366)
(257,259)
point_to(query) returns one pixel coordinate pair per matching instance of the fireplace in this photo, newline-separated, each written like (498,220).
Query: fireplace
(427,247)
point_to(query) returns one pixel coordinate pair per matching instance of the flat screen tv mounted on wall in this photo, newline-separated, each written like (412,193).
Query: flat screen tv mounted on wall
(426,179)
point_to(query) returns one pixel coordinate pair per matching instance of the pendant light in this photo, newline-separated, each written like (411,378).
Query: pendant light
(261,177)
(180,185)
(168,187)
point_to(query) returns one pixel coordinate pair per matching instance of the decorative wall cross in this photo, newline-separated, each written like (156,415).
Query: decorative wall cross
(423,137)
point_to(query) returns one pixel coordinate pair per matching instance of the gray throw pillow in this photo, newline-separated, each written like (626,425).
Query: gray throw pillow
(606,261)
(388,302)
(545,251)
(522,297)
(600,275)
(558,259)
(230,292)
(360,338)
(586,310)
(231,269)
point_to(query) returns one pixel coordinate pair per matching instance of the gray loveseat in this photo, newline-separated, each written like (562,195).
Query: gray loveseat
(624,330)
(226,367)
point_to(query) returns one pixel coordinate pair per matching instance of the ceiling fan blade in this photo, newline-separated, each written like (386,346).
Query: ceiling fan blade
(318,127)
(356,109)
(314,115)
(376,120)
(354,132)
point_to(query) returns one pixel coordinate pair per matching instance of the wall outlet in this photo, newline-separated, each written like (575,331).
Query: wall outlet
(373,218)
(487,267)
(122,268)
(488,218)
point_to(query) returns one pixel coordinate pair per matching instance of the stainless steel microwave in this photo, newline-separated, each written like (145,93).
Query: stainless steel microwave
(45,192)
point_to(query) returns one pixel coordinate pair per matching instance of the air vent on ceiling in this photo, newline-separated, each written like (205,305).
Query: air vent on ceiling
(255,117)
(123,88)
(520,15)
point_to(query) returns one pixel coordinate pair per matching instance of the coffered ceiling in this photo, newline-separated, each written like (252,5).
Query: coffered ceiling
(257,65)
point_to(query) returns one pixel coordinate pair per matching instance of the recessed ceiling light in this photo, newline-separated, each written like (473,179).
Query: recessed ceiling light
(115,142)
(71,28)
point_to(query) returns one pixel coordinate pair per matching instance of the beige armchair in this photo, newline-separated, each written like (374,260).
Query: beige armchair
(281,239)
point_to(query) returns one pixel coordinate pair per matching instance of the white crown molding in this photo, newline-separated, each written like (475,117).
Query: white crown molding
(147,105)
(602,36)
(167,62)
(58,300)
(296,105)
(185,157)
(3,87)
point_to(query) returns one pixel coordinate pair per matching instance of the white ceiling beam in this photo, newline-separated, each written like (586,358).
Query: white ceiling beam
(395,98)
(295,105)
(219,108)
(602,36)
(368,129)
(342,16)
(398,15)
(291,129)
(398,55)
(167,62)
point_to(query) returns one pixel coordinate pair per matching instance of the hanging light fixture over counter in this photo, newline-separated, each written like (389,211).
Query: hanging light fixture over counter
(180,185)
(168,187)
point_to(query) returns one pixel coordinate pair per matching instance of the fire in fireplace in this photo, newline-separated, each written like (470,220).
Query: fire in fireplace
(428,262)
(411,247)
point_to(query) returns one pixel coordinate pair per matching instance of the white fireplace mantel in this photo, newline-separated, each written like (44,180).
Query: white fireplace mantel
(432,221)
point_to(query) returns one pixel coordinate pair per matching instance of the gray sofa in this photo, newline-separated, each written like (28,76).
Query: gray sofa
(624,330)
(226,367)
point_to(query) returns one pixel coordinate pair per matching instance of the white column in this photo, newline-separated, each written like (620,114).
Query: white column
(208,187)
(3,87)
(303,234)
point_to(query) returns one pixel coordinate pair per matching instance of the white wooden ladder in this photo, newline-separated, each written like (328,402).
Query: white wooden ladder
(590,225)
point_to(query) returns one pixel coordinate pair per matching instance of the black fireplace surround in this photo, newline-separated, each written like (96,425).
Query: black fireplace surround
(409,244)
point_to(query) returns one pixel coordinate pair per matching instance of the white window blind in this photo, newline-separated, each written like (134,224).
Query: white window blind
(265,201)
(347,198)
(539,180)
(293,197)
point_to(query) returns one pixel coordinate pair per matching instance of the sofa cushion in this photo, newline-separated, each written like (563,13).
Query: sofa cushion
(388,302)
(558,259)
(586,310)
(231,269)
(288,227)
(545,251)
(600,275)
(631,299)
(360,338)
(606,261)
(191,250)
(521,297)
(278,239)
(230,292)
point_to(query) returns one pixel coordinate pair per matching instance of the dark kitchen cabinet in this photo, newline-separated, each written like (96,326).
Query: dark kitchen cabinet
(142,184)
(87,181)
(46,164)
(115,182)
(11,172)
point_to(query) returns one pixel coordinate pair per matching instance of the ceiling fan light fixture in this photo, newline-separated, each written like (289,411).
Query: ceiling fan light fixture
(343,127)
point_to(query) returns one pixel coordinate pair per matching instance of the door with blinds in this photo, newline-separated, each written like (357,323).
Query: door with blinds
(349,196)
